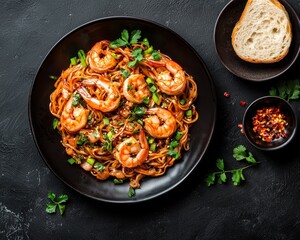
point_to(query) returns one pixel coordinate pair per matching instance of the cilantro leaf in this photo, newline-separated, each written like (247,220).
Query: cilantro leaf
(155,55)
(250,158)
(51,208)
(62,198)
(117,43)
(125,73)
(294,87)
(222,178)
(135,36)
(239,152)
(210,179)
(61,209)
(125,35)
(289,90)
(220,164)
(125,40)
(51,196)
(273,91)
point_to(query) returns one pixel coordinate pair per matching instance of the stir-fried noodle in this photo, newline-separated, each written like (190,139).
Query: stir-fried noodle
(124,111)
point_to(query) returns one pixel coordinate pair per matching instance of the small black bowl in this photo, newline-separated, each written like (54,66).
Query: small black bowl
(284,107)
(225,23)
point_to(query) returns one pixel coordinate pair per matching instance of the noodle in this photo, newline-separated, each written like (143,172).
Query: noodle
(122,115)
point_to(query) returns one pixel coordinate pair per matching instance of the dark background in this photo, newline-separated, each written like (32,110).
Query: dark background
(265,206)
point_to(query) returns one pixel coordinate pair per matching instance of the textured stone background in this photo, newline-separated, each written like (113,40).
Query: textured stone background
(266,206)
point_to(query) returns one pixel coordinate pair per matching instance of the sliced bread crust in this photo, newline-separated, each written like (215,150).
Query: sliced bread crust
(263,33)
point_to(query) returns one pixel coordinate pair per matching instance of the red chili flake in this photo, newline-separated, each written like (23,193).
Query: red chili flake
(240,126)
(243,103)
(269,124)
(226,94)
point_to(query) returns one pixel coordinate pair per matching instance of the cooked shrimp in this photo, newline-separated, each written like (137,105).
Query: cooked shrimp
(135,88)
(74,118)
(172,81)
(99,58)
(161,123)
(112,96)
(131,147)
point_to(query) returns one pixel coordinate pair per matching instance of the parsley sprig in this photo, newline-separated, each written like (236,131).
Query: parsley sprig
(239,153)
(289,90)
(56,202)
(125,39)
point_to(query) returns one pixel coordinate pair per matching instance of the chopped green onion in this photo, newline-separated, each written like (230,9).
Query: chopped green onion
(90,161)
(155,97)
(174,144)
(146,100)
(99,166)
(118,181)
(153,147)
(153,89)
(140,122)
(182,101)
(106,121)
(189,113)
(129,88)
(71,161)
(149,81)
(82,57)
(109,135)
(121,123)
(55,123)
(149,50)
(53,77)
(73,60)
(82,139)
(178,135)
(151,140)
(131,192)
(114,56)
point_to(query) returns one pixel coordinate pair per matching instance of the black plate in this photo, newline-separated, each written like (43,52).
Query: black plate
(48,140)
(251,71)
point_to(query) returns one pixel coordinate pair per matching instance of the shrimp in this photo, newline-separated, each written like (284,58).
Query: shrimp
(112,98)
(135,88)
(172,81)
(99,59)
(161,124)
(131,146)
(74,118)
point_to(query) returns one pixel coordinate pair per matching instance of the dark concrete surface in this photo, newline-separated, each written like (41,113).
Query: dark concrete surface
(265,206)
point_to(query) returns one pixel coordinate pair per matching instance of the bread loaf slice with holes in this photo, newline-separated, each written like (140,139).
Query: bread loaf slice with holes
(263,33)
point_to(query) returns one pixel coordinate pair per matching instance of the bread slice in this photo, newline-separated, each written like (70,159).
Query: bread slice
(263,33)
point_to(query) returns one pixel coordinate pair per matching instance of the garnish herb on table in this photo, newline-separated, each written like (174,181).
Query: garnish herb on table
(288,90)
(239,153)
(58,202)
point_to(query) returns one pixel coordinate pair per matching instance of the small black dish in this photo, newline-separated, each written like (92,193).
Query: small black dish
(251,71)
(284,107)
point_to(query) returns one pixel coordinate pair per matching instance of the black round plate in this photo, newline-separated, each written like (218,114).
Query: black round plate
(226,21)
(48,140)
